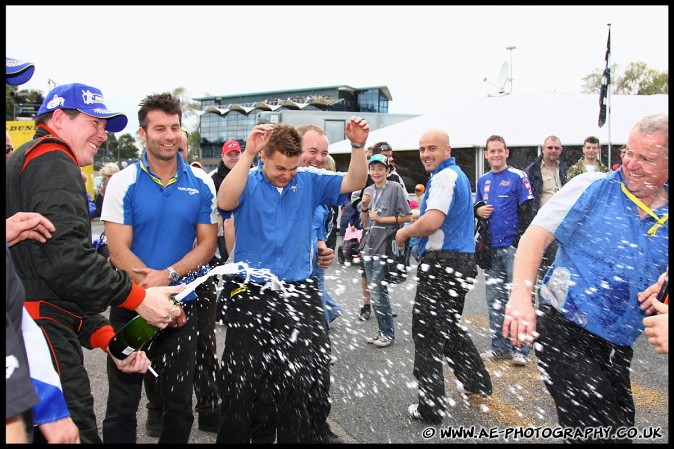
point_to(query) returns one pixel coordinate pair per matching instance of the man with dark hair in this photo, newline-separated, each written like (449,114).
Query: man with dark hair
(68,285)
(154,211)
(590,162)
(507,196)
(274,327)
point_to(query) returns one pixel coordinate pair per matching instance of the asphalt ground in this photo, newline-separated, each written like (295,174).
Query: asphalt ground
(372,387)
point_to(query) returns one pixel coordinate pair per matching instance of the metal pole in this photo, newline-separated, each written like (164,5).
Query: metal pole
(608,102)
(510,49)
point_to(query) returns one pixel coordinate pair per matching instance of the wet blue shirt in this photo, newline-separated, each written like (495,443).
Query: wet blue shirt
(448,190)
(605,256)
(274,229)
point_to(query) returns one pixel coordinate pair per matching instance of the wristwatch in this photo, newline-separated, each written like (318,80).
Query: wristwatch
(173,274)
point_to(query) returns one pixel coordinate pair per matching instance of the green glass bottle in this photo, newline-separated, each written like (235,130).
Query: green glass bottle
(131,337)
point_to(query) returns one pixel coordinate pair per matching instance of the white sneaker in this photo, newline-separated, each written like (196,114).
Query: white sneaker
(520,360)
(462,390)
(383,341)
(413,412)
(491,356)
(371,340)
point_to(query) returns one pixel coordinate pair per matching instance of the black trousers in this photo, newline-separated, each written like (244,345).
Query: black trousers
(269,339)
(587,376)
(173,355)
(264,411)
(438,305)
(207,365)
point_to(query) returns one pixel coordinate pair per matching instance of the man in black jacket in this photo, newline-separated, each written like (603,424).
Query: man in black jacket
(547,175)
(231,152)
(67,283)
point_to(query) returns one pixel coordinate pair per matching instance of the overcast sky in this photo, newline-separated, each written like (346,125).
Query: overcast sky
(428,56)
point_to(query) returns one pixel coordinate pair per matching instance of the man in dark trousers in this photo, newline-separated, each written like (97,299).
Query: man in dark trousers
(446,269)
(68,285)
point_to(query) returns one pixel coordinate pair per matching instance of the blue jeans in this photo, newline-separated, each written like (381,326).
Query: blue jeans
(375,272)
(331,308)
(498,281)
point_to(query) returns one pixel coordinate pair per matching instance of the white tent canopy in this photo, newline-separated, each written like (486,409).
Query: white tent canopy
(522,120)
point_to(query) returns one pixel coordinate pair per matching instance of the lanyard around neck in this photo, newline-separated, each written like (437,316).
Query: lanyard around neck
(154,178)
(659,220)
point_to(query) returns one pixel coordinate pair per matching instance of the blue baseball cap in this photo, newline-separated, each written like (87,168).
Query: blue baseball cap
(18,72)
(86,99)
(379,158)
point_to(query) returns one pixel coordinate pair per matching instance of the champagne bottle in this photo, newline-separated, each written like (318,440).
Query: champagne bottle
(131,337)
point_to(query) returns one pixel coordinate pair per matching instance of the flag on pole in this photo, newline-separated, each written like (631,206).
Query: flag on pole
(605,82)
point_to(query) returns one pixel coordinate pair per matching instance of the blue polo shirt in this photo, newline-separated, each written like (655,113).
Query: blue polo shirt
(164,219)
(448,190)
(605,256)
(319,232)
(505,191)
(274,230)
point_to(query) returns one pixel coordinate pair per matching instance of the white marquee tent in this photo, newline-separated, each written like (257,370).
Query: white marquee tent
(522,120)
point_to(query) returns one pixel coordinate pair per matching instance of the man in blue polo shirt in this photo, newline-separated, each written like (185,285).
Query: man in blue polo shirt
(507,194)
(272,328)
(612,231)
(154,210)
(446,272)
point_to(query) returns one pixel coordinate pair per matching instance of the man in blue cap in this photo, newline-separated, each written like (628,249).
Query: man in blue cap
(67,283)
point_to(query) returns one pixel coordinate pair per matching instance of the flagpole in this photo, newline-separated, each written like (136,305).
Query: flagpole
(605,94)
(608,102)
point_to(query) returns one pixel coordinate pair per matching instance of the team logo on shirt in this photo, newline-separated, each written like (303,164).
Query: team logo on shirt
(505,183)
(189,190)
(11,364)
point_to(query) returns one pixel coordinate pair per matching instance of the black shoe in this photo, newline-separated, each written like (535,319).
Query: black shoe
(209,421)
(153,423)
(333,438)
(394,315)
(326,436)
(365,312)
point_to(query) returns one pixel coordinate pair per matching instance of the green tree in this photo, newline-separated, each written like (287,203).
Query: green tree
(127,147)
(117,150)
(637,79)
(190,122)
(189,107)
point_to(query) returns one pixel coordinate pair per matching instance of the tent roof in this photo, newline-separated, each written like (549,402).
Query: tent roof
(522,120)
